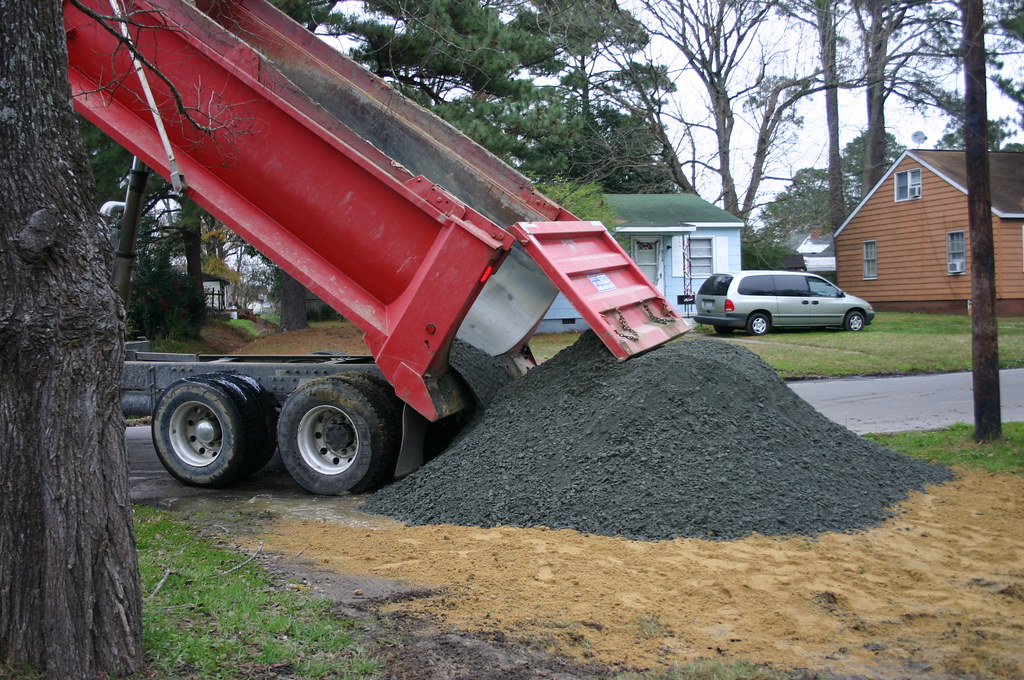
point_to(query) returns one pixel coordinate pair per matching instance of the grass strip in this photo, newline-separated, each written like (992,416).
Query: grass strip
(208,614)
(246,325)
(955,445)
(895,344)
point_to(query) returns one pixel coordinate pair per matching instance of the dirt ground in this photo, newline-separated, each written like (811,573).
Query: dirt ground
(340,337)
(938,591)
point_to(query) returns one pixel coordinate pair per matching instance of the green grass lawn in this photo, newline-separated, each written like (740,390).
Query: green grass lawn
(956,446)
(894,344)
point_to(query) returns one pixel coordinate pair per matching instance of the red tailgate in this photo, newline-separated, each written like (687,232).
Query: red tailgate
(603,284)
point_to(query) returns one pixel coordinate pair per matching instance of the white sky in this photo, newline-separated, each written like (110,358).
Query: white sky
(789,44)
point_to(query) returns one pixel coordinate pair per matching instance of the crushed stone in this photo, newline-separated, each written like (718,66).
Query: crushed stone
(698,438)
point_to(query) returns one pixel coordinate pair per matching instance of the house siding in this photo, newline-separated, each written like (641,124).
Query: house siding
(912,258)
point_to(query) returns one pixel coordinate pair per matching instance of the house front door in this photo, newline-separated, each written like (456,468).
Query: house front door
(647,255)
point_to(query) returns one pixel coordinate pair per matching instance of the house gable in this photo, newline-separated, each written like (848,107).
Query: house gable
(907,252)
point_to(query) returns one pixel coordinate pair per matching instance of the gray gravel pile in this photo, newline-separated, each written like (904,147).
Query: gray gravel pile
(696,439)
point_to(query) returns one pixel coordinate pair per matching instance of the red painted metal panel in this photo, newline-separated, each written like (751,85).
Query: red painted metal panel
(601,281)
(340,216)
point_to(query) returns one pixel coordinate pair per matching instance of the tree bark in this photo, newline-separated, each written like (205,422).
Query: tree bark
(984,329)
(70,601)
(192,239)
(293,304)
(826,11)
(877,41)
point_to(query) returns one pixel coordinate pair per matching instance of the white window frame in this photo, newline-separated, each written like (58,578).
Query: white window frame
(956,253)
(657,245)
(908,185)
(695,272)
(869,264)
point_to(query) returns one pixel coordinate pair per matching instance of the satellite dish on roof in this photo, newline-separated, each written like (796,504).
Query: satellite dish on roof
(919,138)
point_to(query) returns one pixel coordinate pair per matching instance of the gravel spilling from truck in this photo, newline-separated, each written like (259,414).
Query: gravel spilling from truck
(698,438)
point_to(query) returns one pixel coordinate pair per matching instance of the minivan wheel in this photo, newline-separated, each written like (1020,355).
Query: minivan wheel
(758,323)
(854,321)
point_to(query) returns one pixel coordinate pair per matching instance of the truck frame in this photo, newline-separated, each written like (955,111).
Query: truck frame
(394,218)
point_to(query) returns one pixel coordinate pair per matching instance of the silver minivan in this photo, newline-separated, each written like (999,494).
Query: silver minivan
(760,300)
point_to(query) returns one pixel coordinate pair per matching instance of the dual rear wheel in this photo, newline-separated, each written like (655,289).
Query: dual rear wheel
(340,434)
(212,430)
(335,434)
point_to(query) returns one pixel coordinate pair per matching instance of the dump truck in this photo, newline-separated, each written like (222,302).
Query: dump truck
(405,226)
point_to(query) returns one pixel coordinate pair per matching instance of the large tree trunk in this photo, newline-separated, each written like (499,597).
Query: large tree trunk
(192,239)
(875,92)
(828,44)
(293,304)
(70,600)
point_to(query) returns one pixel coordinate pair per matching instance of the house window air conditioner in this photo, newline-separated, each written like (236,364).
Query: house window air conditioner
(914,191)
(956,268)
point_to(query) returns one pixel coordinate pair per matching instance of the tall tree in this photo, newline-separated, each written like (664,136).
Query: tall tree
(293,304)
(901,58)
(70,600)
(824,16)
(530,81)
(984,329)
(805,205)
(748,82)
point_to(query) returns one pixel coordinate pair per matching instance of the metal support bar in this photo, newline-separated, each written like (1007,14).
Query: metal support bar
(126,253)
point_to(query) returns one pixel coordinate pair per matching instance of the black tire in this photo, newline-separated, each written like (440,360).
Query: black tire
(199,432)
(381,395)
(723,330)
(261,440)
(854,321)
(335,437)
(759,323)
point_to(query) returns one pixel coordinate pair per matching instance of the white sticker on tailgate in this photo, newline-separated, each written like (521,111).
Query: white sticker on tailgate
(601,282)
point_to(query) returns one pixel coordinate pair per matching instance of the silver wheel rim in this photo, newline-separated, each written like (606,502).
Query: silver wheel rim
(327,440)
(856,323)
(196,434)
(759,326)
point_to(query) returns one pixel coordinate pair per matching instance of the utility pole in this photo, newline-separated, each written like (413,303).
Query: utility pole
(984,331)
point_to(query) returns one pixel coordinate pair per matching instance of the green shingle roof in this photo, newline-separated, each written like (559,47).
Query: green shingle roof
(666,210)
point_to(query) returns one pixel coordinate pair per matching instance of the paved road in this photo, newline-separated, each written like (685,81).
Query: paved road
(924,402)
(862,404)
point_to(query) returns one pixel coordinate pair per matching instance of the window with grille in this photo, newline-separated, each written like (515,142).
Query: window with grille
(702,261)
(869,251)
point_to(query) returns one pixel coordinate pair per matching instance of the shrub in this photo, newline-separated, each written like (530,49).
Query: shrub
(164,302)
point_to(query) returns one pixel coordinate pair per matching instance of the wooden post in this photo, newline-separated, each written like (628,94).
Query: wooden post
(984,331)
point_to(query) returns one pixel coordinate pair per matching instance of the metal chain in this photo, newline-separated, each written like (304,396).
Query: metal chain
(657,319)
(629,333)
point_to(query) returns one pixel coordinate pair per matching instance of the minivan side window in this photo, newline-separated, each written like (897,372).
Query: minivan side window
(822,288)
(793,285)
(716,284)
(761,284)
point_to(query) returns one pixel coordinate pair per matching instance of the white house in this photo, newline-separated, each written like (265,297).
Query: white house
(678,240)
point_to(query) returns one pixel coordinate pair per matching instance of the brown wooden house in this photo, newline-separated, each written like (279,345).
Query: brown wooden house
(906,247)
